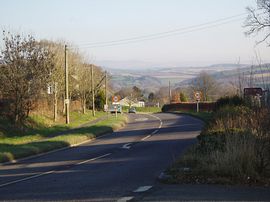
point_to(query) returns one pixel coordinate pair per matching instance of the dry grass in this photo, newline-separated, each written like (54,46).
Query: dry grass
(233,148)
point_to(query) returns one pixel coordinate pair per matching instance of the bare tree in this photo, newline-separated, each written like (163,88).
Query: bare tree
(162,95)
(205,84)
(258,20)
(57,73)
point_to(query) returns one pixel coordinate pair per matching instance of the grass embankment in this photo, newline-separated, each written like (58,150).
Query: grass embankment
(233,148)
(204,116)
(43,136)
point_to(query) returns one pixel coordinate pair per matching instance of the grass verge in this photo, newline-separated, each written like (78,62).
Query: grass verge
(18,147)
(204,116)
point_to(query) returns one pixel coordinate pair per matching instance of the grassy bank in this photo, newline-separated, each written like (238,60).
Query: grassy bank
(204,116)
(233,148)
(39,139)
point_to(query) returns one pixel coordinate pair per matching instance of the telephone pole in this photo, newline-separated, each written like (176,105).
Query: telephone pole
(106,88)
(170,92)
(66,86)
(93,93)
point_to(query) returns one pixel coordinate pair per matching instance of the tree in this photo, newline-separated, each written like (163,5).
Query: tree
(163,95)
(25,73)
(124,92)
(136,93)
(57,76)
(183,97)
(100,100)
(205,84)
(258,20)
(151,97)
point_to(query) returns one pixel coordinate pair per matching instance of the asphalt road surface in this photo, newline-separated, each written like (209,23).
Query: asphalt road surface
(120,166)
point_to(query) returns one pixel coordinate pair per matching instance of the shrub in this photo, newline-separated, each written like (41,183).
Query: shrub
(231,101)
(233,147)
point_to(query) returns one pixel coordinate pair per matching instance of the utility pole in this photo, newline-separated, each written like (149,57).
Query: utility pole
(106,88)
(93,93)
(170,92)
(55,102)
(66,86)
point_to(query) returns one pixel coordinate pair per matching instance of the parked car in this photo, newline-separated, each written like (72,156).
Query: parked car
(132,110)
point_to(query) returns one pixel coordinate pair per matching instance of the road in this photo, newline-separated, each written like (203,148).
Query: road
(120,166)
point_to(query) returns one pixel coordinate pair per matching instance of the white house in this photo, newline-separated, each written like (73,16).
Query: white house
(130,103)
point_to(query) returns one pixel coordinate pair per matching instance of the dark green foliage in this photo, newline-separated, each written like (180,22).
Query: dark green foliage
(100,100)
(188,106)
(232,101)
(151,97)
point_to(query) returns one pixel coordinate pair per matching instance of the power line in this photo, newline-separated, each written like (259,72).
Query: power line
(159,37)
(173,32)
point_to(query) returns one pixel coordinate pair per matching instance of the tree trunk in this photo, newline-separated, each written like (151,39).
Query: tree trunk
(84,102)
(84,106)
(64,106)
(55,103)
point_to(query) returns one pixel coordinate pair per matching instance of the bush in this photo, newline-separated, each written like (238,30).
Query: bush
(231,101)
(216,140)
(233,148)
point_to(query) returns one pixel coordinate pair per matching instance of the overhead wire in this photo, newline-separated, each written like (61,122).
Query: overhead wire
(165,34)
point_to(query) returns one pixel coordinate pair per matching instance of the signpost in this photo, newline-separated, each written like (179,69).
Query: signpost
(253,91)
(198,96)
(115,102)
(115,109)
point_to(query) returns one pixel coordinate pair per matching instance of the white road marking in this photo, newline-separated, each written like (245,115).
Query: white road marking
(93,159)
(126,146)
(124,199)
(146,137)
(50,172)
(143,189)
(141,119)
(27,178)
(161,123)
(154,132)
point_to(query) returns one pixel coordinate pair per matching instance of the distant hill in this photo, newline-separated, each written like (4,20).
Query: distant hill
(259,76)
(147,83)
(152,79)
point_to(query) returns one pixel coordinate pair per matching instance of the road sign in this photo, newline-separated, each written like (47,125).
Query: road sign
(115,99)
(253,91)
(198,95)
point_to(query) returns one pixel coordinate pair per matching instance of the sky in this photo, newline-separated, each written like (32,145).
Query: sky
(85,22)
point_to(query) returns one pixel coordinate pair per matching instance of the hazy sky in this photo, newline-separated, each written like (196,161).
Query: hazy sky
(90,21)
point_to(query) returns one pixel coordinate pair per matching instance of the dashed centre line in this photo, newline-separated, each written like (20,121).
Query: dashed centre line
(146,137)
(50,172)
(125,199)
(126,146)
(142,189)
